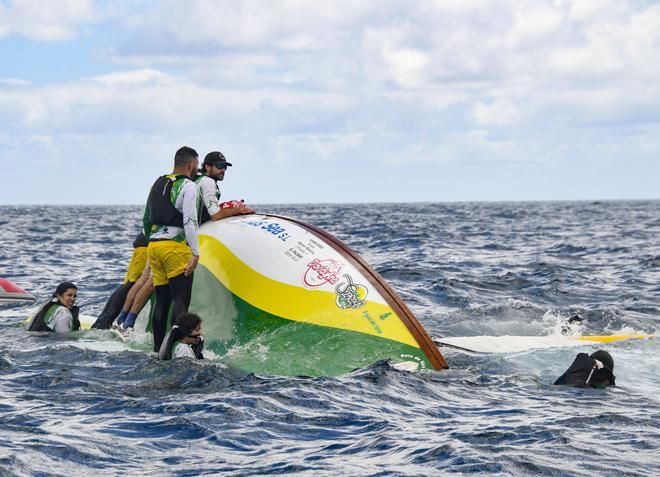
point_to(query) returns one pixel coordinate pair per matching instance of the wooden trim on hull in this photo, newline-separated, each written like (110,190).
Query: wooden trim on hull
(393,300)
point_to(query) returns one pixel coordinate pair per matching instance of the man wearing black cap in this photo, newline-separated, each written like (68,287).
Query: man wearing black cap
(213,171)
(595,371)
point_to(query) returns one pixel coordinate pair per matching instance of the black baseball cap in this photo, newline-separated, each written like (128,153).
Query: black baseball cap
(216,158)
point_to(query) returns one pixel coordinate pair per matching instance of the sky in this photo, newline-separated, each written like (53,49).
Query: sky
(341,101)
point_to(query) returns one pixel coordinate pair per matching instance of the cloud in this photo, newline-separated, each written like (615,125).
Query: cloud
(485,49)
(500,112)
(149,100)
(146,76)
(360,83)
(14,82)
(44,21)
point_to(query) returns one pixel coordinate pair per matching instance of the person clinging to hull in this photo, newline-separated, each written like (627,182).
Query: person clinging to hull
(60,314)
(136,299)
(113,307)
(213,171)
(170,224)
(185,340)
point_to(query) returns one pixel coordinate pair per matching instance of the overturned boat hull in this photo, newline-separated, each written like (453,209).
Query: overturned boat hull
(280,296)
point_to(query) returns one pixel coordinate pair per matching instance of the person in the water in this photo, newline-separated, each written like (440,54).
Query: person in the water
(595,371)
(60,315)
(184,340)
(136,266)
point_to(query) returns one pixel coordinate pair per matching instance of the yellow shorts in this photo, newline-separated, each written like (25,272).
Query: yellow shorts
(168,259)
(136,265)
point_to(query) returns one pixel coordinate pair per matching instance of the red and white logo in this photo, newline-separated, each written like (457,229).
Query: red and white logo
(320,272)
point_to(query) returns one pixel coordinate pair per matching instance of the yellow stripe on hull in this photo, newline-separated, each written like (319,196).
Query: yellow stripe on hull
(611,338)
(297,303)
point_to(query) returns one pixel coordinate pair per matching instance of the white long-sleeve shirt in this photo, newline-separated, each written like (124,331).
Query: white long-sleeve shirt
(210,193)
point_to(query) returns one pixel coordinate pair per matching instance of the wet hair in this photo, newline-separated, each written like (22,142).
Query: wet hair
(187,322)
(63,287)
(184,155)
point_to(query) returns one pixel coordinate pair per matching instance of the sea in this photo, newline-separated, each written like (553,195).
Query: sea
(86,404)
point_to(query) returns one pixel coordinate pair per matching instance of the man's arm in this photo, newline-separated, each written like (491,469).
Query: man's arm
(190,223)
(230,212)
(208,190)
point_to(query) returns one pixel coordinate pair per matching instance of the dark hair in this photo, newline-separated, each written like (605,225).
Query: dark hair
(63,287)
(187,322)
(184,155)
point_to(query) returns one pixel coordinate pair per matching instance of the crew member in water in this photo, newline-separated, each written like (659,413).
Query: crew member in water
(136,266)
(184,340)
(595,371)
(170,224)
(213,171)
(60,315)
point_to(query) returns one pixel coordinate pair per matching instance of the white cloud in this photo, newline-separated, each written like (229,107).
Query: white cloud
(429,81)
(146,76)
(500,112)
(44,21)
(149,100)
(483,54)
(14,82)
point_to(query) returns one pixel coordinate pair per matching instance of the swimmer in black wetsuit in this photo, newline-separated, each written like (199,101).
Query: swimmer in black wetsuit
(586,371)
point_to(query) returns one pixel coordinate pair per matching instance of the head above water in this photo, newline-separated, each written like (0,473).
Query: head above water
(66,293)
(215,165)
(189,323)
(593,371)
(186,162)
(605,358)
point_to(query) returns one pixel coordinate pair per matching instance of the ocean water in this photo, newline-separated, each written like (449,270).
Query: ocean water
(86,404)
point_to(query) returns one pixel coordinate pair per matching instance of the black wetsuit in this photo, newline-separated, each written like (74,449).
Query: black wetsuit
(584,372)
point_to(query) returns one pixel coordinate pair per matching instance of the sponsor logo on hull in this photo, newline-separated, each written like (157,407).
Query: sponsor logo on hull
(350,294)
(320,272)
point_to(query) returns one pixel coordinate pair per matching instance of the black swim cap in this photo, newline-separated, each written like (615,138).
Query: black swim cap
(605,358)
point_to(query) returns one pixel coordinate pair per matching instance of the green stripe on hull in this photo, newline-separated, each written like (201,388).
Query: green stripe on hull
(259,342)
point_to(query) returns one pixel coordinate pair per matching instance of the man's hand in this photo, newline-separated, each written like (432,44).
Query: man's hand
(231,212)
(192,264)
(245,210)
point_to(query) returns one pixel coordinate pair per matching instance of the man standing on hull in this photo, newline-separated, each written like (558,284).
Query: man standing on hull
(170,224)
(213,171)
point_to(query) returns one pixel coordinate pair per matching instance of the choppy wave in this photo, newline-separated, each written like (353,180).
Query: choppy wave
(88,403)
